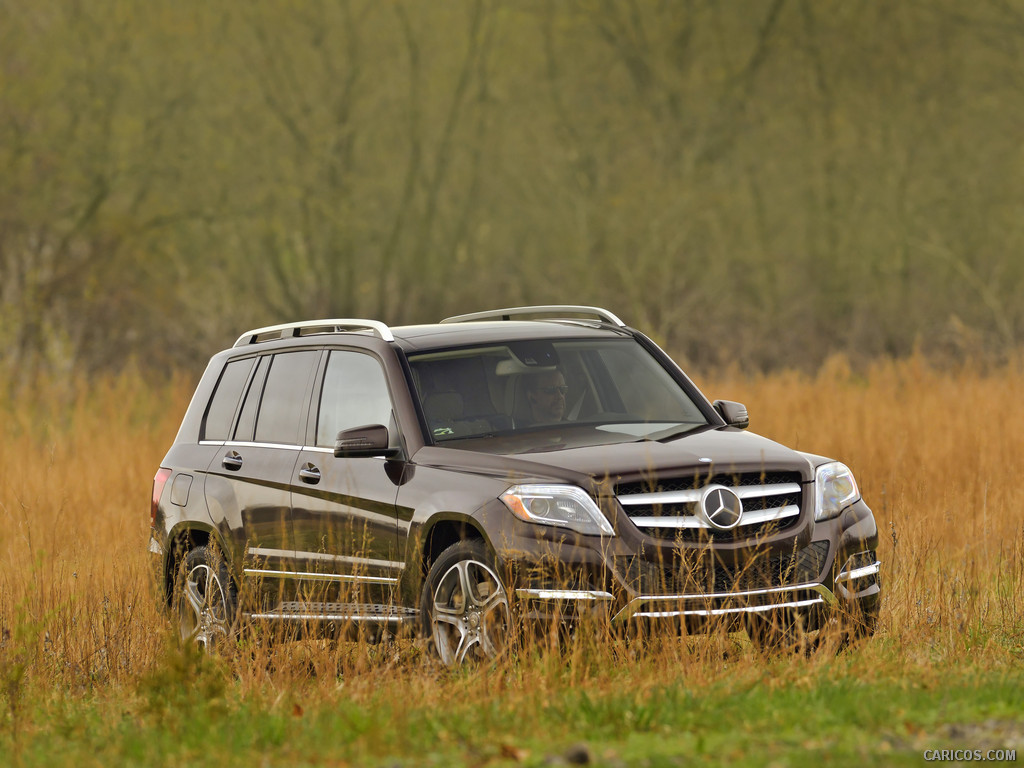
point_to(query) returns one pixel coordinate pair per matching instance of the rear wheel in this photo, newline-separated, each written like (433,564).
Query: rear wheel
(465,606)
(205,602)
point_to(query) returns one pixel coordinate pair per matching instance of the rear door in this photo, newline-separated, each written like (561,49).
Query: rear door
(248,481)
(343,509)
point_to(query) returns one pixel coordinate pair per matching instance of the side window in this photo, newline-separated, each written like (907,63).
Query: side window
(225,399)
(282,408)
(355,393)
(247,418)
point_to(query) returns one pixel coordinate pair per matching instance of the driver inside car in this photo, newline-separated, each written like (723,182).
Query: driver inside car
(545,392)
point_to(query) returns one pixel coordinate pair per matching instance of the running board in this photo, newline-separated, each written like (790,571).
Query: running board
(338,612)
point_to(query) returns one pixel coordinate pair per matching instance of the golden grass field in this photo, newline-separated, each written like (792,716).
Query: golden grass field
(937,455)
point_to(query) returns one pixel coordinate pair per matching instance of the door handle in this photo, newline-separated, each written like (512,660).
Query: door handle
(310,474)
(232,460)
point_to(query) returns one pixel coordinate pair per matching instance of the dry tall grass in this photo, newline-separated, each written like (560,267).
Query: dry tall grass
(937,456)
(935,452)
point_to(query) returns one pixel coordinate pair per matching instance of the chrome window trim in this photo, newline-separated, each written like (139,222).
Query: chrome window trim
(282,446)
(246,444)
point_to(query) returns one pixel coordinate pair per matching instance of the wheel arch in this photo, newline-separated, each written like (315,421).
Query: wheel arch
(182,538)
(441,533)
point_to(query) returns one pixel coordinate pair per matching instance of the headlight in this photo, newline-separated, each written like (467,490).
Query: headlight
(563,505)
(836,490)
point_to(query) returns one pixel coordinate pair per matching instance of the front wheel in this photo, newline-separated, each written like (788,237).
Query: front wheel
(464,606)
(204,599)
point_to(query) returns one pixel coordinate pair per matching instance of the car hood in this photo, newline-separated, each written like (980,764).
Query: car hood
(729,450)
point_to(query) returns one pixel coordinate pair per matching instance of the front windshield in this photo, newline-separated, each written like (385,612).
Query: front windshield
(539,395)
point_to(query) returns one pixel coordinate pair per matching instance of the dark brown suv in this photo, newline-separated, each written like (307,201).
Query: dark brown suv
(530,463)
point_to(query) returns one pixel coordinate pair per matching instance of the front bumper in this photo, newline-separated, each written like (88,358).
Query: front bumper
(837,574)
(861,584)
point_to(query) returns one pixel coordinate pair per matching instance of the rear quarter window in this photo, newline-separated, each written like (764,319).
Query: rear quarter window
(221,410)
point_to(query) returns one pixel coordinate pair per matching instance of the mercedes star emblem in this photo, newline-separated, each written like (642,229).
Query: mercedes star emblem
(721,507)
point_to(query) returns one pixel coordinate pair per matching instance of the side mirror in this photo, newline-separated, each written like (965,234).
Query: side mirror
(735,414)
(371,440)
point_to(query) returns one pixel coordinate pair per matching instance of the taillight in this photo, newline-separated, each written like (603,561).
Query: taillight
(159,481)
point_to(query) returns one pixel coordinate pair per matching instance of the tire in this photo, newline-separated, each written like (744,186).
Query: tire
(205,602)
(465,607)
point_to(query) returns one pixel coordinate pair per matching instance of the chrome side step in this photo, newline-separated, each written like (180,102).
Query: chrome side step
(338,612)
(264,573)
(586,595)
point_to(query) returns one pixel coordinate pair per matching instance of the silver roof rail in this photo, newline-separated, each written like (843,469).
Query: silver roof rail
(554,311)
(323,326)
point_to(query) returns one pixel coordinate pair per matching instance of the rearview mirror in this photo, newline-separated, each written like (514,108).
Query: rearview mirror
(735,414)
(371,440)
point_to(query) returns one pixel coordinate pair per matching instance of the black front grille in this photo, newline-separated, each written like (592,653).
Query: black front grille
(704,573)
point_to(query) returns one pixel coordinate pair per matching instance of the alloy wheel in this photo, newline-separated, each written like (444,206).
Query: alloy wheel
(202,609)
(470,616)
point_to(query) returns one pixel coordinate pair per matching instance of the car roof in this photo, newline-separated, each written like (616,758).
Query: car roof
(424,337)
(552,321)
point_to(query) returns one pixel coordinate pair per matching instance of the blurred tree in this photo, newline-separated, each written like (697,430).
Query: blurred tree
(756,182)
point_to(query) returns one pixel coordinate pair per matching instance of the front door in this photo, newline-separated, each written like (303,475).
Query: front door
(343,510)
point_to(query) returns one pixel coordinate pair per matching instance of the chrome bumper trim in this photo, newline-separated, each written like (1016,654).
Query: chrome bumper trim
(860,573)
(726,611)
(645,605)
(154,547)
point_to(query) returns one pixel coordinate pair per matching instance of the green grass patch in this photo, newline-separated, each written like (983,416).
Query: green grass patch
(867,706)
